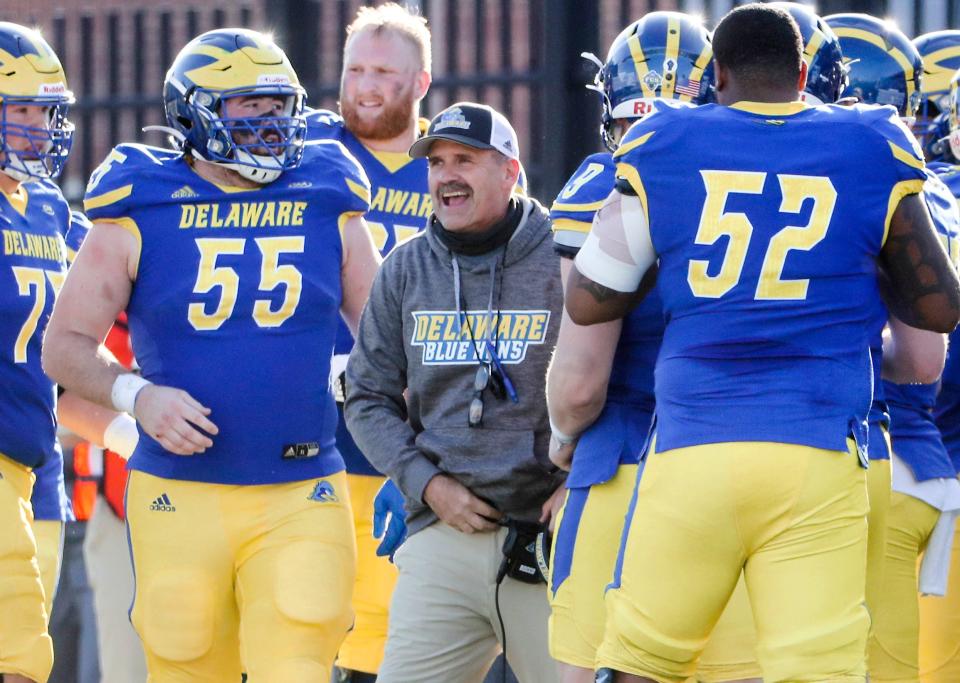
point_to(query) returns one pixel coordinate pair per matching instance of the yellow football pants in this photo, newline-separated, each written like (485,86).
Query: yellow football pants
(49,535)
(940,627)
(25,645)
(892,651)
(271,567)
(376,577)
(586,543)
(792,518)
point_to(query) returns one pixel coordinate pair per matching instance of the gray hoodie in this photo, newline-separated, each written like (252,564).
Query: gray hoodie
(409,339)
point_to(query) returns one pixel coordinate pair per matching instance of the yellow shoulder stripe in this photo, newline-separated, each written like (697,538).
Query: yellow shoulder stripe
(108,197)
(343,218)
(130,226)
(592,206)
(899,191)
(632,176)
(570,225)
(361,191)
(910,159)
(633,144)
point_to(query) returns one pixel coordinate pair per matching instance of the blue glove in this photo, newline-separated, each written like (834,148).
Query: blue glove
(389,504)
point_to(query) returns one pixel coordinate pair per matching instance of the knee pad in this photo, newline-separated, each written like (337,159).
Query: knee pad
(315,584)
(174,613)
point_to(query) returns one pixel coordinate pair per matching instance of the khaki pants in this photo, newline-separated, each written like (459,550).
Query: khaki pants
(443,617)
(110,572)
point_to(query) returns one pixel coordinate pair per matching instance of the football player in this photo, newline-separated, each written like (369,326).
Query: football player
(940,51)
(232,255)
(35,138)
(940,616)
(885,68)
(763,381)
(602,377)
(386,73)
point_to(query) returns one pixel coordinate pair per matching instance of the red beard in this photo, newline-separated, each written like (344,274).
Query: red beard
(392,121)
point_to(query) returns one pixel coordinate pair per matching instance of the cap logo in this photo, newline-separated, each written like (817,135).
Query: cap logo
(273,79)
(452,119)
(52,89)
(652,80)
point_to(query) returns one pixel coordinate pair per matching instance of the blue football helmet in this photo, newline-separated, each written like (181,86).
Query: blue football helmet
(31,75)
(826,72)
(884,66)
(940,51)
(227,63)
(663,56)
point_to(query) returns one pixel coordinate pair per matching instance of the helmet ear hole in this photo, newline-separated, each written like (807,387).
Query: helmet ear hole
(185,122)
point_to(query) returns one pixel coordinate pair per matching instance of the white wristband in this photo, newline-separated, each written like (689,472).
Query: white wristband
(121,435)
(560,437)
(125,390)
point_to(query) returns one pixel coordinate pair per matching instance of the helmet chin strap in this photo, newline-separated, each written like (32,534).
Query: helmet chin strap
(263,176)
(259,173)
(27,169)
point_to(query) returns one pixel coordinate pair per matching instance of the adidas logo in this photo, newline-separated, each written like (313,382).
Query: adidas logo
(185,191)
(163,504)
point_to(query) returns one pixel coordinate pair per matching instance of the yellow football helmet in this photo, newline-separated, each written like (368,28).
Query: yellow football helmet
(31,75)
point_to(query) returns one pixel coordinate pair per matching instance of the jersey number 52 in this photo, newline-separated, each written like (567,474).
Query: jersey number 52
(715,223)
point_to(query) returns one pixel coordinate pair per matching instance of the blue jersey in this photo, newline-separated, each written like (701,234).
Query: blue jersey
(399,209)
(767,240)
(236,300)
(947,410)
(49,498)
(33,221)
(916,439)
(618,434)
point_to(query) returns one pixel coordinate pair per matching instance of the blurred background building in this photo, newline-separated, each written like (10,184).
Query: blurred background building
(521,56)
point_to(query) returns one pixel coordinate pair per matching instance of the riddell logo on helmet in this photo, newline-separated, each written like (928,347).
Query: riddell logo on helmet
(273,79)
(641,108)
(52,89)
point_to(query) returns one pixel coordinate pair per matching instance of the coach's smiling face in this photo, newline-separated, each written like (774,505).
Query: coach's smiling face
(470,187)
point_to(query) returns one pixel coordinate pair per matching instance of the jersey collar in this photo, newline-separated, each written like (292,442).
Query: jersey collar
(770,108)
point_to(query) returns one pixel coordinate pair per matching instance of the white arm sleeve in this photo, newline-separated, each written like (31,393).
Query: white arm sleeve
(618,251)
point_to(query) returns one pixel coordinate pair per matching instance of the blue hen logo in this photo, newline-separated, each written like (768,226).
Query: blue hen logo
(324,492)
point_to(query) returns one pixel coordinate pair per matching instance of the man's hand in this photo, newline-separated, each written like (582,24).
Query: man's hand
(456,506)
(551,507)
(561,455)
(389,519)
(172,416)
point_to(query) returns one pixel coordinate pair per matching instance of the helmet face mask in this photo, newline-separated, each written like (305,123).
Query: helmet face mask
(28,151)
(663,56)
(259,147)
(31,76)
